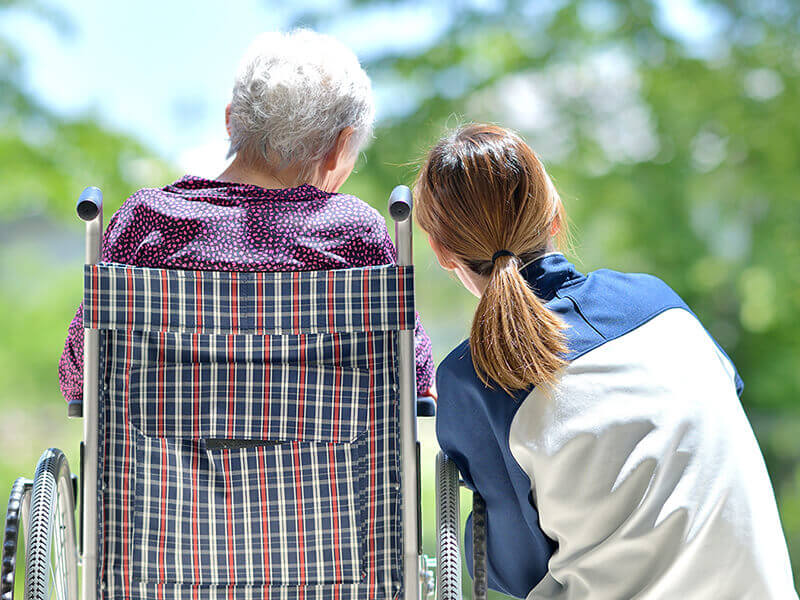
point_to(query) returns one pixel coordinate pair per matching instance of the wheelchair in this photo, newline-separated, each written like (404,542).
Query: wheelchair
(246,435)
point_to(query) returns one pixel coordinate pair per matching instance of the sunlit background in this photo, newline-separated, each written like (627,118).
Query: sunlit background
(671,129)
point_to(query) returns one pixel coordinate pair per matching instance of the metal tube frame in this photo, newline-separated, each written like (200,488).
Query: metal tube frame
(91,371)
(400,205)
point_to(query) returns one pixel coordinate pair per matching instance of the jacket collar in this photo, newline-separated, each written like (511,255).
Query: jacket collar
(549,273)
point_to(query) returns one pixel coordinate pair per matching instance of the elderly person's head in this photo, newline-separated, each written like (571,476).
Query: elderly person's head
(302,108)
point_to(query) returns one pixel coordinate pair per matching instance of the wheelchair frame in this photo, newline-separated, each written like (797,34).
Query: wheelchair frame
(416,567)
(90,209)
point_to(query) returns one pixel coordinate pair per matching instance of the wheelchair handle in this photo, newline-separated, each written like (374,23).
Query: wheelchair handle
(400,203)
(90,210)
(90,203)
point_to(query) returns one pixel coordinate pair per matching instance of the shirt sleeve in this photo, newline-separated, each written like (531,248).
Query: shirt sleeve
(726,361)
(70,366)
(518,551)
(727,364)
(737,379)
(424,359)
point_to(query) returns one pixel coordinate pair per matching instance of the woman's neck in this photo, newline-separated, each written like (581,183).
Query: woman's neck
(241,172)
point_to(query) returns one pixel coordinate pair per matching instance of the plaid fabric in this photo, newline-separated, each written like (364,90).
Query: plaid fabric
(261,461)
(136,298)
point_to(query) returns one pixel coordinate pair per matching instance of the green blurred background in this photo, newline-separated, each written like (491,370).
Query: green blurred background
(671,130)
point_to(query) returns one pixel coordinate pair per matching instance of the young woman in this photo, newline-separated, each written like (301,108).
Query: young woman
(593,412)
(301,109)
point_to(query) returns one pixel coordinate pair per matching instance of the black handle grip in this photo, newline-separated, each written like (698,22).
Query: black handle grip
(90,203)
(400,203)
(426,406)
(480,577)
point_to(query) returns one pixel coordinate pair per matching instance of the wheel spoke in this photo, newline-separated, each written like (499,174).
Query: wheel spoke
(58,563)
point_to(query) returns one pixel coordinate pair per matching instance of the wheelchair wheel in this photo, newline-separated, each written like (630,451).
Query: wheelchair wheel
(448,527)
(51,554)
(19,504)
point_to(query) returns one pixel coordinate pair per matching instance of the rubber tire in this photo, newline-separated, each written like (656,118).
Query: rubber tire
(52,491)
(448,530)
(17,507)
(479,561)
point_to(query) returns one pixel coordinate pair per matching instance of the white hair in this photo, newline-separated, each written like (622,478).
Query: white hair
(294,93)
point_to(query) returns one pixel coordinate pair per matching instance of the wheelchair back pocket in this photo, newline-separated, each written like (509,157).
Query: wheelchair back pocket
(248,512)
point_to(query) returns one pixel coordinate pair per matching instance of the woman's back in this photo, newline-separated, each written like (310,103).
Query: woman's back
(214,225)
(211,225)
(645,475)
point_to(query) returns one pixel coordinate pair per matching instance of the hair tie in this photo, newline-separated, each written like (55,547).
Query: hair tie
(500,253)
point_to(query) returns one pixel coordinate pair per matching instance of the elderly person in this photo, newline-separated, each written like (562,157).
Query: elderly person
(302,108)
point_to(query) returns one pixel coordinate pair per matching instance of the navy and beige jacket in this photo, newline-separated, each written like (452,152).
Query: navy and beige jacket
(636,473)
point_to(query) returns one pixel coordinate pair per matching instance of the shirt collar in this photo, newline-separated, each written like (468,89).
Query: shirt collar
(200,187)
(548,273)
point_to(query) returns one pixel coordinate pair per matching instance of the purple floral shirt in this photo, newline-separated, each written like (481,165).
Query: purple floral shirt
(201,224)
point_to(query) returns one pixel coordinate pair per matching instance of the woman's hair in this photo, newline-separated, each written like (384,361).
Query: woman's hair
(294,93)
(481,190)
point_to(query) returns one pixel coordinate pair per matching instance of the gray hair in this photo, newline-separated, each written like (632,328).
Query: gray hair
(294,93)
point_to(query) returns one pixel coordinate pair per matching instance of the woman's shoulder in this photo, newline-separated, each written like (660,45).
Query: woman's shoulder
(141,202)
(357,209)
(612,303)
(643,285)
(359,229)
(146,196)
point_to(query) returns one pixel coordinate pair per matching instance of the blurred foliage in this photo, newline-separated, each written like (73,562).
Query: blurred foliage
(675,152)
(46,159)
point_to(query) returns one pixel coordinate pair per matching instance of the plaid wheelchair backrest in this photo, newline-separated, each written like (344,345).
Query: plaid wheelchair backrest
(248,432)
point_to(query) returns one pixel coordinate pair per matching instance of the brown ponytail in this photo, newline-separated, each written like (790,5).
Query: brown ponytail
(482,190)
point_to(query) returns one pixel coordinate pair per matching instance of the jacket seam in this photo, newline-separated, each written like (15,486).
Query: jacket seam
(582,316)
